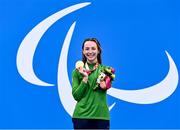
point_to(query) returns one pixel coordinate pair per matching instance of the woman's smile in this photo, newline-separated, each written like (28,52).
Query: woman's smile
(91,55)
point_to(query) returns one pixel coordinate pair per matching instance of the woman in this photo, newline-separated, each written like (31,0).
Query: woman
(91,111)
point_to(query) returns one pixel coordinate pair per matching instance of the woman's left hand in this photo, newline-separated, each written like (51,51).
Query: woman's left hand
(103,84)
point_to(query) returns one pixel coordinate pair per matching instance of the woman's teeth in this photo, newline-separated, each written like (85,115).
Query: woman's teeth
(90,55)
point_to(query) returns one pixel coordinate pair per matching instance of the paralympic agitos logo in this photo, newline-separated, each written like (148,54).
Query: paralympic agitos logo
(148,95)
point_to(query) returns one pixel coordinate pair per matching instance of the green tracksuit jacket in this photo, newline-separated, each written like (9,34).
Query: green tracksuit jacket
(91,104)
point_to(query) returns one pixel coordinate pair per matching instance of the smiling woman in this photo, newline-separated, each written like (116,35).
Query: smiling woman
(91,111)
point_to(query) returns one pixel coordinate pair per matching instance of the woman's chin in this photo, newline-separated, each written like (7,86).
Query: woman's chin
(92,61)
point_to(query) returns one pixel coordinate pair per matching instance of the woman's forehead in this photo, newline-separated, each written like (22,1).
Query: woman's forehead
(90,44)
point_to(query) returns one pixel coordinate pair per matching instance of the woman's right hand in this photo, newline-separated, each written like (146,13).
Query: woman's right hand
(85,79)
(82,71)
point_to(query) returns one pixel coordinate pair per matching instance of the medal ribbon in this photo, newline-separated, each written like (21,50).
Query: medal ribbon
(94,68)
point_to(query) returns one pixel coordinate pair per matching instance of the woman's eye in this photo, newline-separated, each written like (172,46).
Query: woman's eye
(93,48)
(86,49)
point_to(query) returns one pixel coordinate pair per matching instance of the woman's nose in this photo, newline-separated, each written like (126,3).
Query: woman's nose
(90,51)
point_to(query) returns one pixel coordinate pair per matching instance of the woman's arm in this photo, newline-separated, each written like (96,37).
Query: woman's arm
(78,87)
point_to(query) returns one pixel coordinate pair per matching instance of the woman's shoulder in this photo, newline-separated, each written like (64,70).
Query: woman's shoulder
(75,72)
(105,66)
(108,69)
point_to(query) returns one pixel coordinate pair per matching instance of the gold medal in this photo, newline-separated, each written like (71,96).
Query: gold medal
(79,64)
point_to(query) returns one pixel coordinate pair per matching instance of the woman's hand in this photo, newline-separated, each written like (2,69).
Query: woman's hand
(85,79)
(103,84)
(82,71)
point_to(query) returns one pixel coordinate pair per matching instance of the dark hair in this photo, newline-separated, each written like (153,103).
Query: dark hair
(84,59)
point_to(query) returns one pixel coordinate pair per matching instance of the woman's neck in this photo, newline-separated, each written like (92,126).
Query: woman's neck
(92,62)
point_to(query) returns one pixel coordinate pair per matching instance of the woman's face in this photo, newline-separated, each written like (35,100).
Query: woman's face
(90,51)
